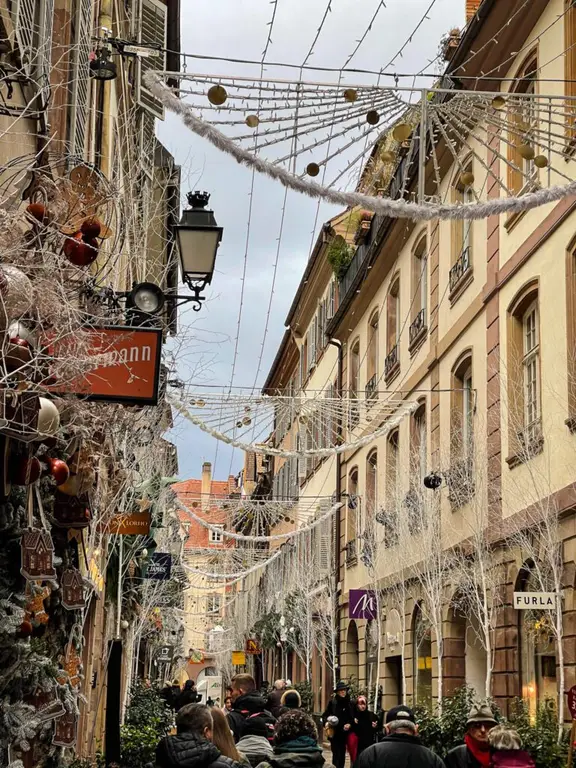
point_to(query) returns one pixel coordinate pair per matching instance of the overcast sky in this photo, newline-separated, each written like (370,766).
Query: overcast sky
(239,29)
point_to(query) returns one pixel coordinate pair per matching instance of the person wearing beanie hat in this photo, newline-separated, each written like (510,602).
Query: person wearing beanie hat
(296,743)
(401,747)
(339,710)
(475,752)
(255,743)
(290,700)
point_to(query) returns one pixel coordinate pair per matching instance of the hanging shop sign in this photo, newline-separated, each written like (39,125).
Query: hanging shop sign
(572,701)
(134,524)
(252,647)
(130,369)
(362,604)
(196,657)
(159,567)
(238,658)
(535,601)
(165,653)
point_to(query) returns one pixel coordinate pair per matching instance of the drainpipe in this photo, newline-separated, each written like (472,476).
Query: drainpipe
(338,345)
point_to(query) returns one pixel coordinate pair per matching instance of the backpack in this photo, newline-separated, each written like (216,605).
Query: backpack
(268,720)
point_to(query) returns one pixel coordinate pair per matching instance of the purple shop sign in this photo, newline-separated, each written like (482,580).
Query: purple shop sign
(362,604)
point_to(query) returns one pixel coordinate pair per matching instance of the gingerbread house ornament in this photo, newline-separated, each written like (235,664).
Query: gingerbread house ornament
(65,731)
(72,590)
(47,705)
(37,555)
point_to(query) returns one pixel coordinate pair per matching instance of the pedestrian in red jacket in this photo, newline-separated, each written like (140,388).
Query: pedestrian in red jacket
(506,749)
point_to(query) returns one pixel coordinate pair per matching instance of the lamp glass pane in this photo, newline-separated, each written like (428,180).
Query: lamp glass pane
(198,250)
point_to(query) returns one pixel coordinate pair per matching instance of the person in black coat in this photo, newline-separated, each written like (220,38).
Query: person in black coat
(247,702)
(192,747)
(401,747)
(188,696)
(364,725)
(339,707)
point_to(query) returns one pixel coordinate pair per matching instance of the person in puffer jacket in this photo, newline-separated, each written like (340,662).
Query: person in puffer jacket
(247,702)
(254,743)
(296,743)
(192,747)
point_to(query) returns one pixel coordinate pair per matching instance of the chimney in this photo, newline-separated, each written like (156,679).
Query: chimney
(471,8)
(206,484)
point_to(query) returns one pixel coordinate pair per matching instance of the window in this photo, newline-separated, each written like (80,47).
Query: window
(391,513)
(460,477)
(524,396)
(570,68)
(461,257)
(372,361)
(418,448)
(571,331)
(371,484)
(304,361)
(419,290)
(214,603)
(393,316)
(354,383)
(216,536)
(422,655)
(352,516)
(523,121)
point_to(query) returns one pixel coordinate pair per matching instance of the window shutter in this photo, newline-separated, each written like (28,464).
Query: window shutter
(331,301)
(81,77)
(152,32)
(302,460)
(147,143)
(312,344)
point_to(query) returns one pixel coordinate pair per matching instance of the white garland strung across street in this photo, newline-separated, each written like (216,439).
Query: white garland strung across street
(509,148)
(233,577)
(253,514)
(259,423)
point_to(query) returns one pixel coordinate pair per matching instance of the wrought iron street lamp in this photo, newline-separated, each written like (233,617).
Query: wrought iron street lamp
(198,237)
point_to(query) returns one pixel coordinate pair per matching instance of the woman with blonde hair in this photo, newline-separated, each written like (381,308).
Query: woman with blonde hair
(506,749)
(223,739)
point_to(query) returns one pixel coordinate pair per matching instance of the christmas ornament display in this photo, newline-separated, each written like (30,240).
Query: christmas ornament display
(16,293)
(38,212)
(47,705)
(71,664)
(58,469)
(37,555)
(48,418)
(17,355)
(35,609)
(18,330)
(19,414)
(72,585)
(25,470)
(91,227)
(65,732)
(70,511)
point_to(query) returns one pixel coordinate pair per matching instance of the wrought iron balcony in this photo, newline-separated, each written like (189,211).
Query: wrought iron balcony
(460,268)
(372,388)
(417,327)
(353,414)
(351,552)
(391,362)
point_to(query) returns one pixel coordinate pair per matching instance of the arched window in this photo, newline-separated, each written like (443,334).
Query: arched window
(422,659)
(537,645)
(372,357)
(393,321)
(523,120)
(570,67)
(352,655)
(462,409)
(354,382)
(391,532)
(418,446)
(461,257)
(524,395)
(419,290)
(372,642)
(352,517)
(371,484)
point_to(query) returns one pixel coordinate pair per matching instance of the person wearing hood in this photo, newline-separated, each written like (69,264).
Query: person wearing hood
(187,696)
(192,745)
(275,697)
(475,752)
(255,742)
(337,719)
(290,700)
(247,702)
(401,747)
(364,727)
(296,743)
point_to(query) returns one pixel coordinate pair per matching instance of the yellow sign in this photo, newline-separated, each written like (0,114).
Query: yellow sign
(238,658)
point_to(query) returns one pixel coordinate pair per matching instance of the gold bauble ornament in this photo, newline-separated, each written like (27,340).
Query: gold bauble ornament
(372,118)
(467,179)
(350,94)
(312,169)
(252,121)
(200,403)
(402,132)
(388,157)
(526,151)
(217,95)
(246,420)
(498,102)
(541,161)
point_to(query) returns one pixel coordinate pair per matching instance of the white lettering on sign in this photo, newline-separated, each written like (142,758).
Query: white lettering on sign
(534,600)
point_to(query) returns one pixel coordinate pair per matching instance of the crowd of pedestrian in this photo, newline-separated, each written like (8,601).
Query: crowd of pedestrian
(256,730)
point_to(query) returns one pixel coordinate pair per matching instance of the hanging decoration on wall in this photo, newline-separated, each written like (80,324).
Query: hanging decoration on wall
(72,665)
(515,141)
(47,705)
(37,555)
(66,728)
(247,421)
(35,609)
(72,585)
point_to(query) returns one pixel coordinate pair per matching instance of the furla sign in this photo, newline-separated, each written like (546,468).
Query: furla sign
(538,601)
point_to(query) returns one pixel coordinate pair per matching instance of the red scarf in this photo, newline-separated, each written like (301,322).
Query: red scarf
(480,750)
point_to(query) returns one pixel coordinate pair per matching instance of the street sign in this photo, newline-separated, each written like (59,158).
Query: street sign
(252,647)
(572,701)
(362,604)
(572,708)
(238,658)
(536,601)
(165,653)
(159,566)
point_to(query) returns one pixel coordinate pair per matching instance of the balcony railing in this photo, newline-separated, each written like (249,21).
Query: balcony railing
(353,413)
(391,361)
(460,268)
(418,325)
(372,388)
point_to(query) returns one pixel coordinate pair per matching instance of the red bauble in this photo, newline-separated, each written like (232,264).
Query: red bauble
(79,252)
(91,227)
(26,471)
(92,246)
(18,353)
(38,211)
(25,629)
(59,470)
